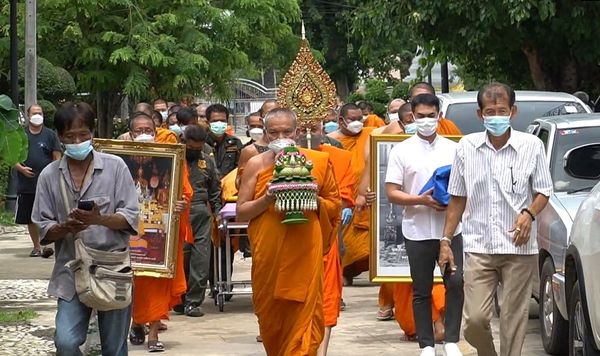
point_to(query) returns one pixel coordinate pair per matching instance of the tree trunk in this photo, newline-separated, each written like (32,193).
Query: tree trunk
(541,81)
(569,79)
(107,106)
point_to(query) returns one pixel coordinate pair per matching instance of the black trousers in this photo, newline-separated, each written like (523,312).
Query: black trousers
(422,257)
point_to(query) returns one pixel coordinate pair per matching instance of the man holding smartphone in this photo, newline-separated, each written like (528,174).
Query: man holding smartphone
(411,164)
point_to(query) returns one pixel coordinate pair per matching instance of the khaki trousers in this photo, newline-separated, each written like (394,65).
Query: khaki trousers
(482,274)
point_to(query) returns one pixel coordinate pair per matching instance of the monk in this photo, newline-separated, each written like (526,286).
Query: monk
(354,136)
(153,298)
(369,118)
(332,284)
(287,266)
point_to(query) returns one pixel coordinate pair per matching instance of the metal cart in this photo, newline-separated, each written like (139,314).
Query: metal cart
(230,228)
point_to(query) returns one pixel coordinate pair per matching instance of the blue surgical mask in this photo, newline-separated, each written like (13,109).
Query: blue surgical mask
(78,151)
(218,127)
(496,125)
(176,129)
(410,129)
(330,126)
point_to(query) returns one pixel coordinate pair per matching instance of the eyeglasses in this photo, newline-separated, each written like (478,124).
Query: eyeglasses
(146,131)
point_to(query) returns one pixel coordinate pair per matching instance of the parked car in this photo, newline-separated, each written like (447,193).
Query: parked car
(565,138)
(461,108)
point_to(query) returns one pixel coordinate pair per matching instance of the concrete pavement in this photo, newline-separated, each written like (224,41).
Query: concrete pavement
(232,332)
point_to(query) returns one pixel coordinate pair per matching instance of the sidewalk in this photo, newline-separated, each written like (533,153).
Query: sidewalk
(23,282)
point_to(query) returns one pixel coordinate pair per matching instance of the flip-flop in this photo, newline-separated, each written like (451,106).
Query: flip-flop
(162,326)
(155,346)
(383,315)
(35,253)
(137,336)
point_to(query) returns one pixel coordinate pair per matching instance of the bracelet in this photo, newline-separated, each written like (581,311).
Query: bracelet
(446,239)
(528,212)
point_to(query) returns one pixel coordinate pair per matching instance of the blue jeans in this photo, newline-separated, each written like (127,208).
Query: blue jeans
(72,320)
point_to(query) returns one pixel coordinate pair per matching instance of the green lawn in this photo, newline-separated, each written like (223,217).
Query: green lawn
(7,218)
(16,317)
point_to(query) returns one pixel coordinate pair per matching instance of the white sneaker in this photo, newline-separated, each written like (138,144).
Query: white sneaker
(428,351)
(451,349)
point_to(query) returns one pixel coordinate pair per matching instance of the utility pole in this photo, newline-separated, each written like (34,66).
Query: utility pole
(445,81)
(30,53)
(14,54)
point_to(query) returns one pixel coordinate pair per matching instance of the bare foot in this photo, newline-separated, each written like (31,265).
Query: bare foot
(439,332)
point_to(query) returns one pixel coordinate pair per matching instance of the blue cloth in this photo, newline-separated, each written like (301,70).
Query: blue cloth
(346,216)
(439,182)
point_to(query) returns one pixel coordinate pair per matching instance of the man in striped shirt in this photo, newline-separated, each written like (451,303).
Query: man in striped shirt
(499,182)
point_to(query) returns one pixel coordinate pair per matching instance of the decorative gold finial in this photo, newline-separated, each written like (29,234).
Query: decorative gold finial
(306,88)
(303,31)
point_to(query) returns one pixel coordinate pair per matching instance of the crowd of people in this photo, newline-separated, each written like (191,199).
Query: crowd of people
(299,270)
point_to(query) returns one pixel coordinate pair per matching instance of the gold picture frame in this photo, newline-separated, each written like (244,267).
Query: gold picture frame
(157,170)
(387,261)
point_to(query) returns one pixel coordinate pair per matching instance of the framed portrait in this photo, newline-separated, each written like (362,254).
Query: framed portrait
(157,171)
(388,261)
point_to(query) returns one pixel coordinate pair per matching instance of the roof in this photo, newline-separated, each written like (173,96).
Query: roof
(573,120)
(521,95)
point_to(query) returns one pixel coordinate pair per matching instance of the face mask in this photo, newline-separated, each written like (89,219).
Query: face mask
(330,126)
(496,125)
(278,145)
(355,127)
(176,129)
(78,151)
(218,127)
(164,115)
(393,117)
(426,126)
(256,133)
(410,129)
(144,138)
(192,155)
(36,120)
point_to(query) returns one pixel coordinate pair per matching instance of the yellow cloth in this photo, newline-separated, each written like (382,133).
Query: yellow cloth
(287,266)
(374,121)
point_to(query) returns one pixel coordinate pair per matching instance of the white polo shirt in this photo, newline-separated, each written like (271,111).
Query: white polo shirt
(411,164)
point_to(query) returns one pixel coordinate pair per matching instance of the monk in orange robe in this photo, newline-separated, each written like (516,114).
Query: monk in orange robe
(165,136)
(354,136)
(153,298)
(369,118)
(287,266)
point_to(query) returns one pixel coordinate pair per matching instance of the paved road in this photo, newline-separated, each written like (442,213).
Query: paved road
(233,332)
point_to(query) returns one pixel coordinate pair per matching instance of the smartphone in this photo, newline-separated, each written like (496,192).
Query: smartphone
(86,205)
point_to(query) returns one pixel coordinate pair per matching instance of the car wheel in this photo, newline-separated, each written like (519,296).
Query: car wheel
(580,335)
(553,327)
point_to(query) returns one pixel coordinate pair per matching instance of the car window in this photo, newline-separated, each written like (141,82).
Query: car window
(464,115)
(544,135)
(567,139)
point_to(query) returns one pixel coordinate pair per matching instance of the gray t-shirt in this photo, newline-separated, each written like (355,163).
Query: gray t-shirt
(39,155)
(110,186)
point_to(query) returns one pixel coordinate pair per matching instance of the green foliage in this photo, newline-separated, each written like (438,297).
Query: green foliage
(54,83)
(355,97)
(17,317)
(49,110)
(4,177)
(400,90)
(13,140)
(377,95)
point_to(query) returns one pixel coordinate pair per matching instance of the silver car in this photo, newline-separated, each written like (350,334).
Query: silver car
(560,134)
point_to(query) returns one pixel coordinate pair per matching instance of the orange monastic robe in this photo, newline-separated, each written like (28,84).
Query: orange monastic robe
(356,234)
(332,282)
(374,121)
(447,127)
(287,266)
(404,307)
(165,136)
(153,298)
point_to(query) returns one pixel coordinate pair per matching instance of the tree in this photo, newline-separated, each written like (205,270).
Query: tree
(145,49)
(544,44)
(53,83)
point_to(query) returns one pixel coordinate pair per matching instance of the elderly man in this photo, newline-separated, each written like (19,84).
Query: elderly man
(369,118)
(84,175)
(287,271)
(499,182)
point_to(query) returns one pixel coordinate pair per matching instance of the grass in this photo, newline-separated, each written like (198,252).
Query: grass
(17,317)
(7,218)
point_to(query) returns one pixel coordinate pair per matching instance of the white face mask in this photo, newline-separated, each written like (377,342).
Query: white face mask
(164,115)
(278,145)
(393,117)
(144,138)
(256,133)
(427,126)
(355,127)
(36,119)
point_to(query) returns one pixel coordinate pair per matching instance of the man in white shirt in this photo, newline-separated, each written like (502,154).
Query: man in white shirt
(411,164)
(499,182)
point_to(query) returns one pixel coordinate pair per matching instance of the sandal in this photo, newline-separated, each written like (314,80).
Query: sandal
(47,252)
(408,338)
(383,315)
(137,335)
(155,346)
(162,326)
(35,253)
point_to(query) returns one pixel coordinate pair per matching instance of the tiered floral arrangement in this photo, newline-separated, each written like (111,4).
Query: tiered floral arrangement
(293,186)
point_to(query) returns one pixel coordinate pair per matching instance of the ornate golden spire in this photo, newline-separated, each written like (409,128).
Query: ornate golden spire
(306,88)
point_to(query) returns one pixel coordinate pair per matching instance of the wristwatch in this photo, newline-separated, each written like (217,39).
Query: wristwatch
(446,239)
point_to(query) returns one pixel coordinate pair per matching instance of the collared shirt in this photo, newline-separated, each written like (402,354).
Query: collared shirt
(411,164)
(227,152)
(110,186)
(498,185)
(205,181)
